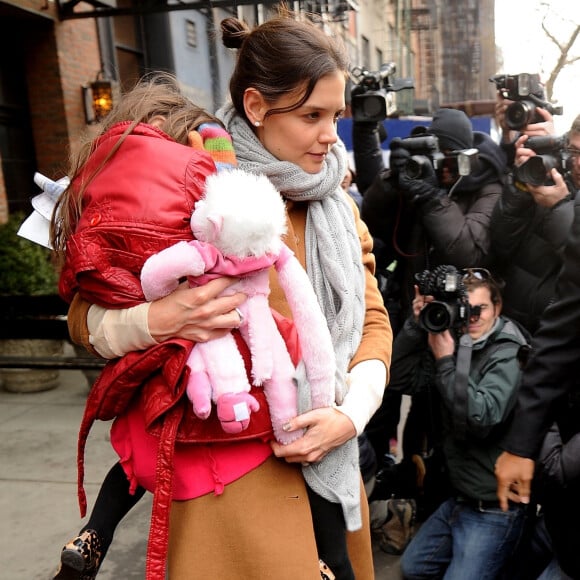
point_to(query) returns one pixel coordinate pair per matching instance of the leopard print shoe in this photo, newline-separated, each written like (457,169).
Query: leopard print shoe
(80,559)
(325,571)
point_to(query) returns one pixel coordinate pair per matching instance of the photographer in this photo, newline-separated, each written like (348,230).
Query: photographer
(550,393)
(530,226)
(441,218)
(473,369)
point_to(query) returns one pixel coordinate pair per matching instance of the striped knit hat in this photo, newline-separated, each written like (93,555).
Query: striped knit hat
(216,141)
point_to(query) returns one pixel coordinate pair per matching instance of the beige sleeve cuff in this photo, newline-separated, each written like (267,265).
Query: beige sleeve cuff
(367,382)
(114,333)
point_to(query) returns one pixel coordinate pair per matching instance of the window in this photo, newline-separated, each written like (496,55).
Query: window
(191,33)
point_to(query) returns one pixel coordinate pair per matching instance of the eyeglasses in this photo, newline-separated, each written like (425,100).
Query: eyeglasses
(478,273)
(573,152)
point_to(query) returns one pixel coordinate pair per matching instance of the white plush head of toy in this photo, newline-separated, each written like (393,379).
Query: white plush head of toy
(241,214)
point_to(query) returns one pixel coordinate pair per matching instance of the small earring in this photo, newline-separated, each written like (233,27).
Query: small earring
(257,123)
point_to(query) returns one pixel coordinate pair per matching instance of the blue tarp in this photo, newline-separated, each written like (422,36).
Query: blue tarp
(402,128)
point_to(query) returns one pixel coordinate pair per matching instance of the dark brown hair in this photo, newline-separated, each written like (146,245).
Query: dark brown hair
(473,282)
(281,56)
(157,94)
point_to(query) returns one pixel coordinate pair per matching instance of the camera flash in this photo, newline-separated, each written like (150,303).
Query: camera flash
(465,159)
(450,282)
(523,84)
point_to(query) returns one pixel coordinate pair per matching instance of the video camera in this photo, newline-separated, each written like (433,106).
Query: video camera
(450,309)
(528,93)
(372,97)
(425,151)
(550,152)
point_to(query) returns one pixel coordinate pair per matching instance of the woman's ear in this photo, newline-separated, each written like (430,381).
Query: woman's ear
(254,106)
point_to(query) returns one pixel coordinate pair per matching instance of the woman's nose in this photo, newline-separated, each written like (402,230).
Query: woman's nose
(329,133)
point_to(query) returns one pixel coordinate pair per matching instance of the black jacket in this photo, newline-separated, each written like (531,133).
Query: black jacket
(549,391)
(527,246)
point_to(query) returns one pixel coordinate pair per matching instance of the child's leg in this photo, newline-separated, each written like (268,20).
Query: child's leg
(330,533)
(113,503)
(82,557)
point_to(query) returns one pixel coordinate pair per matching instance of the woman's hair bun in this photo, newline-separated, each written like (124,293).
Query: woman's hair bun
(234,31)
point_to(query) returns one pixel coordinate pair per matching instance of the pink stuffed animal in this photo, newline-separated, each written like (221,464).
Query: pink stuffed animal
(238,226)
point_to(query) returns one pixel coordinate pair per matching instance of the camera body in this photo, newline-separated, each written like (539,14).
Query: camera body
(551,152)
(425,151)
(372,97)
(528,93)
(450,309)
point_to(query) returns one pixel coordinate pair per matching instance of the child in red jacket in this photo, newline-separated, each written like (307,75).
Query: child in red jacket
(131,194)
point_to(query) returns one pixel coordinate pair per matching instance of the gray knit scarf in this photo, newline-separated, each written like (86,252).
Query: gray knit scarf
(334,266)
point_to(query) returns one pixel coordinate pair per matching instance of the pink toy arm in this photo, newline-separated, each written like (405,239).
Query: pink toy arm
(315,341)
(161,272)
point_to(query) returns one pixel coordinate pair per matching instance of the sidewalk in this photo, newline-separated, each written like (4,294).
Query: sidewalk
(38,499)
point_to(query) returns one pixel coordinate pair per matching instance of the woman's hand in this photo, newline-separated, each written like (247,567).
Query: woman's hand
(197,314)
(326,429)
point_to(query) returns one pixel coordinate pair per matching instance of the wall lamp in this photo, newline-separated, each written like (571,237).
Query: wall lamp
(98,99)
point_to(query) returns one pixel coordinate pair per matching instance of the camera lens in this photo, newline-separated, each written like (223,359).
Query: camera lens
(536,169)
(437,317)
(369,107)
(520,114)
(414,166)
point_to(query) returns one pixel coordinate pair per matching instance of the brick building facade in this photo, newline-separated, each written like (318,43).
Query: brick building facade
(43,64)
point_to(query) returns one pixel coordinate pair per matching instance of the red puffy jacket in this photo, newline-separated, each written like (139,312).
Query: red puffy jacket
(139,203)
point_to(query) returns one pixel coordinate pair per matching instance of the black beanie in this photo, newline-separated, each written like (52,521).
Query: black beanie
(453,129)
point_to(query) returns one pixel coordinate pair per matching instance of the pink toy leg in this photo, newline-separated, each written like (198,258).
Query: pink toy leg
(199,386)
(233,411)
(257,330)
(224,365)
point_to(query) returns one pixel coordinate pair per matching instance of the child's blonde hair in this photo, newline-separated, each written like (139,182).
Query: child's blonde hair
(155,95)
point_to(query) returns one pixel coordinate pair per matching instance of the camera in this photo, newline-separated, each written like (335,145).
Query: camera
(551,152)
(450,309)
(528,93)
(372,98)
(425,151)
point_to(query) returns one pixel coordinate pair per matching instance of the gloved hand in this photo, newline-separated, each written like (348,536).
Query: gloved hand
(399,156)
(423,189)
